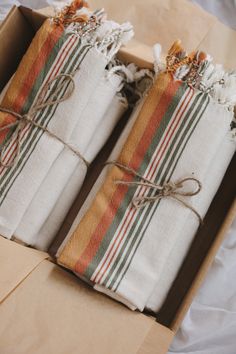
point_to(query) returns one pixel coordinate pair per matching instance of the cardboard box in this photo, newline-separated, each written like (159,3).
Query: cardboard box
(45,309)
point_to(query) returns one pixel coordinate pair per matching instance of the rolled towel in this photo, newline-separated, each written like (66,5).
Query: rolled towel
(84,134)
(39,230)
(202,202)
(58,214)
(147,196)
(100,180)
(71,63)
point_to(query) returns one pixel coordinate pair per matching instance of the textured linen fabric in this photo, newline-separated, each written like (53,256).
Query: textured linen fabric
(61,51)
(20,183)
(88,138)
(119,247)
(202,202)
(54,220)
(209,328)
(100,180)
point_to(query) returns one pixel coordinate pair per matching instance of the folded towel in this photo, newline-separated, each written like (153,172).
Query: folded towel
(40,231)
(62,52)
(84,135)
(202,202)
(126,235)
(100,180)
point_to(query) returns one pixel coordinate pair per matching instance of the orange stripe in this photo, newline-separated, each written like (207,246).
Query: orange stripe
(132,212)
(120,192)
(20,88)
(10,153)
(81,238)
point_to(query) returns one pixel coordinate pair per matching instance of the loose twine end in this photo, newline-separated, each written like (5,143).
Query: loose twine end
(23,119)
(172,190)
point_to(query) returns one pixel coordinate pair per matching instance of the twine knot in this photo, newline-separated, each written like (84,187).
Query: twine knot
(65,87)
(173,190)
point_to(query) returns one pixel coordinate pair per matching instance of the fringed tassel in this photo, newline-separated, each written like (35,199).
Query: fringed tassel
(136,81)
(198,71)
(69,14)
(106,36)
(110,37)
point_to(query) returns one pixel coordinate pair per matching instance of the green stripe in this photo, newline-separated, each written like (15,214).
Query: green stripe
(152,208)
(34,92)
(130,193)
(35,132)
(143,214)
(50,60)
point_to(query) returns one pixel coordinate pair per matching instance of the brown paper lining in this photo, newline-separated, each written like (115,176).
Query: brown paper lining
(203,251)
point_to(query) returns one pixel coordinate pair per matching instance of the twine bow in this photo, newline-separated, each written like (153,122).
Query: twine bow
(23,119)
(174,190)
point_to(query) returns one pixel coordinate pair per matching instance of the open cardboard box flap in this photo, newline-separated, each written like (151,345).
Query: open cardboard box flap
(60,314)
(17,262)
(46,310)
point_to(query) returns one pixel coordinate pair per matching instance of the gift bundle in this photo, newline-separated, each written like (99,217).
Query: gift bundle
(134,230)
(135,227)
(56,114)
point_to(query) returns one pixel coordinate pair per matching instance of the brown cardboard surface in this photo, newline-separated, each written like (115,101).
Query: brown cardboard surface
(161,21)
(52,312)
(16,263)
(164,21)
(18,28)
(220,42)
(14,30)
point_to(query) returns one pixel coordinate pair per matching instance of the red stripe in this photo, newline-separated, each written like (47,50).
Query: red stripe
(27,128)
(31,77)
(121,191)
(133,211)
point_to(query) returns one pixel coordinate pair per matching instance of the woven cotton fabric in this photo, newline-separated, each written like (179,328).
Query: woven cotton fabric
(54,53)
(119,247)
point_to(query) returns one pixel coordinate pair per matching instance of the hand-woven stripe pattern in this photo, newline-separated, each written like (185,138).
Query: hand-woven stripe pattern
(112,230)
(63,53)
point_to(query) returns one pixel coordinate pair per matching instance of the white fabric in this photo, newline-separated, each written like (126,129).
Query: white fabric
(151,268)
(202,202)
(114,154)
(54,220)
(48,149)
(147,264)
(211,327)
(88,138)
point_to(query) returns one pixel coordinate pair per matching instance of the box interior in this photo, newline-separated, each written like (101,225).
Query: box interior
(15,37)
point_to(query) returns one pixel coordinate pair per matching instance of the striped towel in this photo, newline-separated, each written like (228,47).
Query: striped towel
(176,134)
(91,132)
(211,183)
(55,50)
(55,219)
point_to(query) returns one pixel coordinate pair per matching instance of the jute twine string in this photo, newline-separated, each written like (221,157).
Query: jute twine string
(23,119)
(172,190)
